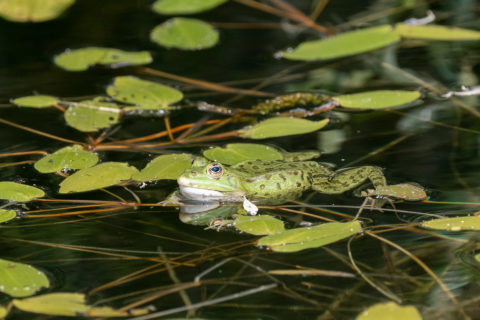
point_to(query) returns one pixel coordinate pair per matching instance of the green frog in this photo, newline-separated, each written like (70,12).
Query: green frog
(271,182)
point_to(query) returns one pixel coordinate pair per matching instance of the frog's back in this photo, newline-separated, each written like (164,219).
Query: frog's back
(255,168)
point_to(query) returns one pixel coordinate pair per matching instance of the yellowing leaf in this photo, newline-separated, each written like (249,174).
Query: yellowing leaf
(73,157)
(390,311)
(21,280)
(282,126)
(39,101)
(237,152)
(169,166)
(19,192)
(33,10)
(377,99)
(258,225)
(454,224)
(185,6)
(7,215)
(434,32)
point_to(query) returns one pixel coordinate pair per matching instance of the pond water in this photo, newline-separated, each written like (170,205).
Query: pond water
(142,256)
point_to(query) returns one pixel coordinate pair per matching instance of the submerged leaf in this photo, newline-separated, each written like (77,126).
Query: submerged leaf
(142,93)
(237,152)
(91,115)
(13,191)
(82,59)
(433,32)
(168,166)
(21,280)
(377,99)
(185,34)
(73,157)
(345,44)
(258,225)
(185,6)
(100,176)
(312,237)
(7,215)
(39,101)
(33,10)
(389,311)
(453,224)
(282,126)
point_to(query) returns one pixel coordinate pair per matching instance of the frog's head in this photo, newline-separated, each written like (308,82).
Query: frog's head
(210,182)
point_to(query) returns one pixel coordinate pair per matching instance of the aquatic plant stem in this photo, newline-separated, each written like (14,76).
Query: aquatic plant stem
(23,153)
(321,4)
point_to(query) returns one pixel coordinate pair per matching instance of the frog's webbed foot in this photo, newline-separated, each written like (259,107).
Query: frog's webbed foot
(347,179)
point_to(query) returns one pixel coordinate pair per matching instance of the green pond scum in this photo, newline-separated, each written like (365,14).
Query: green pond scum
(239,159)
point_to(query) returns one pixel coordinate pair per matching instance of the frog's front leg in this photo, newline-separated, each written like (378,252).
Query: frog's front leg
(347,179)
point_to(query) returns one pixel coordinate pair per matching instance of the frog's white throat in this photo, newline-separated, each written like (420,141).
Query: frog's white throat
(201,194)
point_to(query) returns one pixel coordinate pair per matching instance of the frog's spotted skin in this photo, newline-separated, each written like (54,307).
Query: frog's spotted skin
(272,182)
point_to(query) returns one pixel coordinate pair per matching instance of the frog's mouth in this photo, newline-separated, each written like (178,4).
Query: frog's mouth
(200,194)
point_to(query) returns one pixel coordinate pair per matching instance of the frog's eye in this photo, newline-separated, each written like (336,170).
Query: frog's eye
(215,170)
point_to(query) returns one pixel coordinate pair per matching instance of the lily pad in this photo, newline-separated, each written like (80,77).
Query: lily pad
(33,10)
(39,101)
(185,34)
(13,191)
(345,44)
(92,115)
(389,311)
(454,224)
(434,32)
(82,59)
(282,126)
(380,99)
(3,312)
(73,157)
(312,237)
(142,93)
(21,280)
(100,176)
(403,191)
(168,166)
(69,304)
(185,6)
(237,152)
(7,215)
(258,225)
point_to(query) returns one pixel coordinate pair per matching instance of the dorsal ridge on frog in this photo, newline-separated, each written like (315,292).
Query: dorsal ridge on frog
(272,182)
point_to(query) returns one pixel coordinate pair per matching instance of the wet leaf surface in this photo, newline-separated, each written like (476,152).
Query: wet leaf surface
(3,312)
(258,225)
(453,224)
(377,99)
(21,280)
(168,166)
(7,215)
(92,115)
(33,10)
(282,126)
(237,152)
(39,101)
(185,6)
(73,157)
(389,311)
(436,32)
(13,191)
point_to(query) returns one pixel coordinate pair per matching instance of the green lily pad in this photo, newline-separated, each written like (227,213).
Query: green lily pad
(168,166)
(39,101)
(389,311)
(403,191)
(185,34)
(13,191)
(433,32)
(380,99)
(345,44)
(258,225)
(3,312)
(7,215)
(100,176)
(454,224)
(82,59)
(73,157)
(142,93)
(237,152)
(185,6)
(21,280)
(69,304)
(33,10)
(92,115)
(312,237)
(282,126)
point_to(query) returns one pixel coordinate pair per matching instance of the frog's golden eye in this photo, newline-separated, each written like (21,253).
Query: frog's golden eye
(215,170)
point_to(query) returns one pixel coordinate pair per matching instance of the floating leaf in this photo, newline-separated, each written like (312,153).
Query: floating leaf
(168,166)
(145,94)
(345,44)
(185,34)
(3,312)
(312,237)
(403,191)
(185,6)
(289,100)
(389,311)
(39,101)
(73,157)
(237,152)
(282,126)
(91,115)
(258,225)
(33,10)
(7,215)
(433,32)
(13,191)
(454,224)
(377,99)
(82,59)
(100,176)
(69,304)
(21,280)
